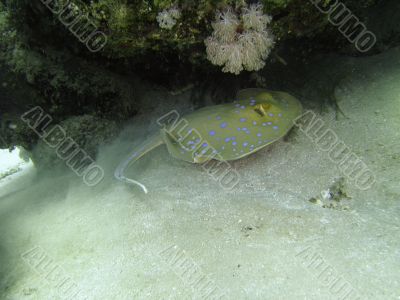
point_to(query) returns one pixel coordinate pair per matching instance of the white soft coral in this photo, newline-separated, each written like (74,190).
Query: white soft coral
(167,18)
(225,26)
(240,44)
(254,18)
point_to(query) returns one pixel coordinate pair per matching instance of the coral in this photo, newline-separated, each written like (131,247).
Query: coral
(167,18)
(253,18)
(240,45)
(225,26)
(120,18)
(59,81)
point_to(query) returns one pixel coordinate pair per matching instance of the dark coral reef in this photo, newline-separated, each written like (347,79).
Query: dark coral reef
(43,64)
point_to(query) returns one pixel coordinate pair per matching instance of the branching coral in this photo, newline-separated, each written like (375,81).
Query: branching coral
(240,44)
(167,18)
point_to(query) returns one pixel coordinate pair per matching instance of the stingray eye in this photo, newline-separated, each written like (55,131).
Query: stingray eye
(262,109)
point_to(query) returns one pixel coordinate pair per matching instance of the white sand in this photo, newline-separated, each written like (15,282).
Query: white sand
(256,242)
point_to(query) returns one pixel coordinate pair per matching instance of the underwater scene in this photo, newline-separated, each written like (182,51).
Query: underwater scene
(209,149)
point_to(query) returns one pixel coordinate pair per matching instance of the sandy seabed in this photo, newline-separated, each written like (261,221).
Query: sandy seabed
(190,239)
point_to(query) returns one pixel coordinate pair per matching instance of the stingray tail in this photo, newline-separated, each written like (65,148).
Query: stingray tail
(148,145)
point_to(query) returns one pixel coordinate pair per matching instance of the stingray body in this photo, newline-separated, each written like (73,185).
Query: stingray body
(224,132)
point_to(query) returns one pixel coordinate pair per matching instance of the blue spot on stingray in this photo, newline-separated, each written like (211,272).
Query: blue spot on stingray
(244,128)
(245,144)
(204,145)
(259,134)
(227,139)
(211,132)
(275,127)
(223,125)
(254,123)
(271,114)
(238,128)
(197,140)
(190,143)
(269,123)
(204,151)
(242,119)
(243,107)
(234,143)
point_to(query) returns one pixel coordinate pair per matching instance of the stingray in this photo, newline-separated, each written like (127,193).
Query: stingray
(222,132)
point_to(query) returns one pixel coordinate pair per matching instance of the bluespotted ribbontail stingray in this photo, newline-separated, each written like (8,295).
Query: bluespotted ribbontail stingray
(223,132)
